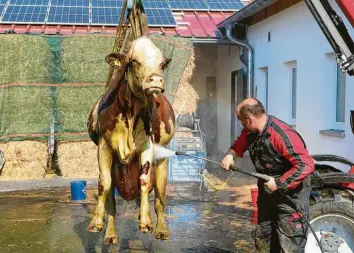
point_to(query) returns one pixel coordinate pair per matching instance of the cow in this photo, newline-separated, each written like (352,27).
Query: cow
(125,123)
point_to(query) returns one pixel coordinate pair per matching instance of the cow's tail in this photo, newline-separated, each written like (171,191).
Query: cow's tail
(92,123)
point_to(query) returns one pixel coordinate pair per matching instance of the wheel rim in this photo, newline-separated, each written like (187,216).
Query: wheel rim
(340,224)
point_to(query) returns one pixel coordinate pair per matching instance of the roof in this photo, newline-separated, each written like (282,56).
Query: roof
(199,24)
(257,11)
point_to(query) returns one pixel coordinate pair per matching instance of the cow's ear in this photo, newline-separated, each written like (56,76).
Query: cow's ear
(165,62)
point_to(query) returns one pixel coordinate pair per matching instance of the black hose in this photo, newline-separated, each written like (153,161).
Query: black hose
(332,158)
(298,209)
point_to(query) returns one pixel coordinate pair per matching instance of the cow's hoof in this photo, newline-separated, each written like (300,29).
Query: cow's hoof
(162,235)
(146,228)
(95,228)
(110,240)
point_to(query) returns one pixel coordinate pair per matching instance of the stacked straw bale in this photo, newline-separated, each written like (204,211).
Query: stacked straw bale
(81,61)
(24,160)
(78,159)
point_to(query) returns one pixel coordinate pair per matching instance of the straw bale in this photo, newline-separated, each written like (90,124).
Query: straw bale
(78,159)
(186,96)
(83,58)
(24,58)
(24,160)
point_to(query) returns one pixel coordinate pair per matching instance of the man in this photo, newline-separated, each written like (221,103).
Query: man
(278,151)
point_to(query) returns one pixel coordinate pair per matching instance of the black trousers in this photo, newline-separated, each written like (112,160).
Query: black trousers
(281,229)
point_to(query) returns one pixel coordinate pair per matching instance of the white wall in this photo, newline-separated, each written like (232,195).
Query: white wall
(295,36)
(227,62)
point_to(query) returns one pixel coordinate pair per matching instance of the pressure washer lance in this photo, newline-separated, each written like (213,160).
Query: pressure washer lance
(261,177)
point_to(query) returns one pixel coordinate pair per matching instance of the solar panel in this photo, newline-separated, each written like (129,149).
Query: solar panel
(25,14)
(3,2)
(1,9)
(107,3)
(71,3)
(224,4)
(156,4)
(68,15)
(188,5)
(105,16)
(160,17)
(29,2)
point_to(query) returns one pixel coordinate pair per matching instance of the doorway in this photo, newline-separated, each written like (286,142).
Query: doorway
(238,93)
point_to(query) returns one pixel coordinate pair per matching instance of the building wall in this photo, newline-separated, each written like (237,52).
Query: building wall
(296,37)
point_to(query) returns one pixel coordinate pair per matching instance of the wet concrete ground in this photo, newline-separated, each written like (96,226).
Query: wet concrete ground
(46,220)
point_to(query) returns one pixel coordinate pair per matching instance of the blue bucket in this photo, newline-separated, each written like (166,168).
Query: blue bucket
(78,190)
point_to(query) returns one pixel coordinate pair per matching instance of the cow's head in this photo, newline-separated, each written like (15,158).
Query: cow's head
(145,68)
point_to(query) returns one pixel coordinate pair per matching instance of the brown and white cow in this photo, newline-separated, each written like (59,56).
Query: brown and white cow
(124,123)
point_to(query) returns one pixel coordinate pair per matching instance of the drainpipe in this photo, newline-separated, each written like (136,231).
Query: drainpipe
(250,86)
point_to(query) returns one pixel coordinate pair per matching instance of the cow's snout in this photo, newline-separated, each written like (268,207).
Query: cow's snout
(156,79)
(154,84)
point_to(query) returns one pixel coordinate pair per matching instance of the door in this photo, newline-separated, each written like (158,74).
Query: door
(238,93)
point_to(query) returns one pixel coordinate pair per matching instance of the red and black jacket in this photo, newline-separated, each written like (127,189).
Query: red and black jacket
(279,151)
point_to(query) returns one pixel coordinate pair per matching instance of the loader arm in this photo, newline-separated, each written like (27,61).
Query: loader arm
(335,30)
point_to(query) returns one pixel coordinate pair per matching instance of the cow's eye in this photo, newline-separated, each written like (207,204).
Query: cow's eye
(135,62)
(165,63)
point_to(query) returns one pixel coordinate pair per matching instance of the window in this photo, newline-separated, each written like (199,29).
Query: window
(266,90)
(335,89)
(293,92)
(340,95)
(262,89)
(292,89)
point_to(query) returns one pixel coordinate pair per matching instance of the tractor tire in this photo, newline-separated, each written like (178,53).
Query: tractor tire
(332,210)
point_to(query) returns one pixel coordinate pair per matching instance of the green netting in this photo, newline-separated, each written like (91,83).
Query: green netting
(25,110)
(24,59)
(82,58)
(48,84)
(74,107)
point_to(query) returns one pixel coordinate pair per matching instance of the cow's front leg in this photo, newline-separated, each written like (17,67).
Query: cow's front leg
(160,200)
(104,184)
(146,157)
(111,233)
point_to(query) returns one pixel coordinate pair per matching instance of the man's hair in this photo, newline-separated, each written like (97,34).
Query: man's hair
(256,109)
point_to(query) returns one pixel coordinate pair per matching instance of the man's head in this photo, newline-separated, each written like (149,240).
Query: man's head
(252,115)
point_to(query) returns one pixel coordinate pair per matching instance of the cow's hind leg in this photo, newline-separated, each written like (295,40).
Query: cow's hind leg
(111,233)
(160,199)
(104,185)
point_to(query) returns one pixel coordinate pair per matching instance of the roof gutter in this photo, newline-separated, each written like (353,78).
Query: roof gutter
(247,11)
(210,41)
(249,60)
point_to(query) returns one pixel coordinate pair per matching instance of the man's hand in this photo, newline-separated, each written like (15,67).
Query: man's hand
(271,185)
(227,162)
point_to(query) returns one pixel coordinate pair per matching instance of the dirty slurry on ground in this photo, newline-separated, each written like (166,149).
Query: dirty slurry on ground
(46,220)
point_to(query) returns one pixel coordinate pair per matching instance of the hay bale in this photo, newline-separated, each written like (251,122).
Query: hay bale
(83,58)
(74,105)
(25,110)
(24,58)
(78,159)
(186,97)
(24,160)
